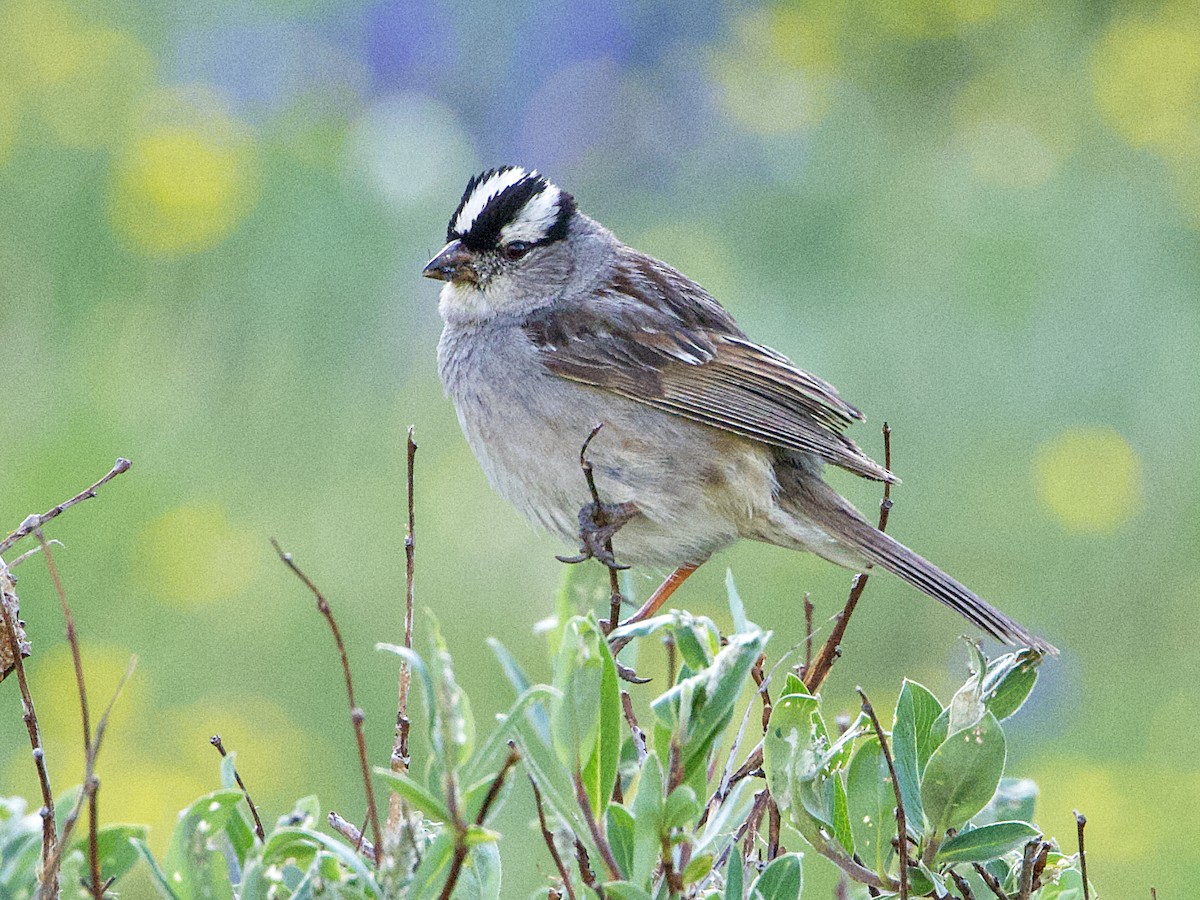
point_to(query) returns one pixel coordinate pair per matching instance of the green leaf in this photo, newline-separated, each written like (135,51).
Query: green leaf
(792,748)
(520,682)
(963,773)
(487,757)
(578,675)
(681,807)
(726,819)
(783,879)
(1009,681)
(737,609)
(647,820)
(912,745)
(625,890)
(698,867)
(194,864)
(302,845)
(116,850)
(872,803)
(415,794)
(1014,801)
(157,876)
(714,692)
(735,875)
(620,835)
(644,628)
(987,842)
(842,832)
(433,869)
(452,728)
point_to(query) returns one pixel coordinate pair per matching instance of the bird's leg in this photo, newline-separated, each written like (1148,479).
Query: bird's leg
(656,600)
(598,522)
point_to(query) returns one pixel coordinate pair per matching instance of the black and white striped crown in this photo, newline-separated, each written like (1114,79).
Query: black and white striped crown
(510,204)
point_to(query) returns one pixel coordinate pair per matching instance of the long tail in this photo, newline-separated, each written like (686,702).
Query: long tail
(821,505)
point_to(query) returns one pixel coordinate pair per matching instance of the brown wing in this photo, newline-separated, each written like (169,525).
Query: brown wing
(677,350)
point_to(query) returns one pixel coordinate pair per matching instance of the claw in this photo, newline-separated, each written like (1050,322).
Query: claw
(598,522)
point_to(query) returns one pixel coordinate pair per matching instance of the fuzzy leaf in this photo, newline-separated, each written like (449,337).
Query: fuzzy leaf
(988,842)
(963,773)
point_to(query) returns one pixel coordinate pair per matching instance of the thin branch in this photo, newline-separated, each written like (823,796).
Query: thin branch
(400,755)
(460,830)
(49,877)
(85,714)
(586,875)
(354,835)
(91,783)
(215,740)
(816,674)
(808,631)
(964,888)
(356,713)
(1080,822)
(639,736)
(33,551)
(35,522)
(990,880)
(548,837)
(901,825)
(1028,859)
(606,853)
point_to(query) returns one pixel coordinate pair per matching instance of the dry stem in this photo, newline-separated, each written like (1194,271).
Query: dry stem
(34,522)
(815,676)
(901,825)
(215,740)
(356,713)
(400,755)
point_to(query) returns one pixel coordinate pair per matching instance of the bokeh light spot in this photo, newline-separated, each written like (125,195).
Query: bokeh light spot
(1008,153)
(90,108)
(183,184)
(781,84)
(1089,479)
(52,683)
(193,555)
(1147,83)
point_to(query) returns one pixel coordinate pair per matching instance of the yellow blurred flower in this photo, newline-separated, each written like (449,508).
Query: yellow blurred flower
(932,18)
(192,554)
(1089,479)
(778,75)
(1147,82)
(185,179)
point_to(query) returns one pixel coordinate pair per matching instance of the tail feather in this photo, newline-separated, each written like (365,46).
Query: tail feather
(825,508)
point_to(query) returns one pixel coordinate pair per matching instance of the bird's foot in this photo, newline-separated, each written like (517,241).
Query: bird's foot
(598,522)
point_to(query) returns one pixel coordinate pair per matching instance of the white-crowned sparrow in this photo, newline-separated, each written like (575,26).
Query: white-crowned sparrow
(553,326)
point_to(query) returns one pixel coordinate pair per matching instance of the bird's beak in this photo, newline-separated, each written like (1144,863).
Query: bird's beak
(453,263)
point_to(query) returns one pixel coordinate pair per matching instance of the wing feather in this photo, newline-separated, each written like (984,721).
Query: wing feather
(658,338)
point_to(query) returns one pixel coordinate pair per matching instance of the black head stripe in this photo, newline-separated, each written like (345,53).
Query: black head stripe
(483,231)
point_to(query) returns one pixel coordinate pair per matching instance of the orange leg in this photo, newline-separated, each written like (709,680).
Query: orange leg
(659,597)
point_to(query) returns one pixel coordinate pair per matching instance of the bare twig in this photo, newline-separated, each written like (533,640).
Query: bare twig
(35,522)
(964,888)
(33,551)
(356,713)
(96,886)
(773,825)
(49,877)
(1028,858)
(901,825)
(586,875)
(760,682)
(90,785)
(639,736)
(548,837)
(816,674)
(606,854)
(990,880)
(1080,822)
(460,835)
(354,835)
(215,740)
(808,631)
(400,755)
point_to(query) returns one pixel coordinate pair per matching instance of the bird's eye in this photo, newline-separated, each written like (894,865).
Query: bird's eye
(517,249)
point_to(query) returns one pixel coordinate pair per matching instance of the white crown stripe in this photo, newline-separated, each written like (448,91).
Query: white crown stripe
(535,219)
(483,194)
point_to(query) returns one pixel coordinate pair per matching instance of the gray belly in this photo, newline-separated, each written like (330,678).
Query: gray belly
(697,489)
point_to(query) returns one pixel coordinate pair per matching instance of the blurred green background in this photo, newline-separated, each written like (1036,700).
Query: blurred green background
(978,218)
